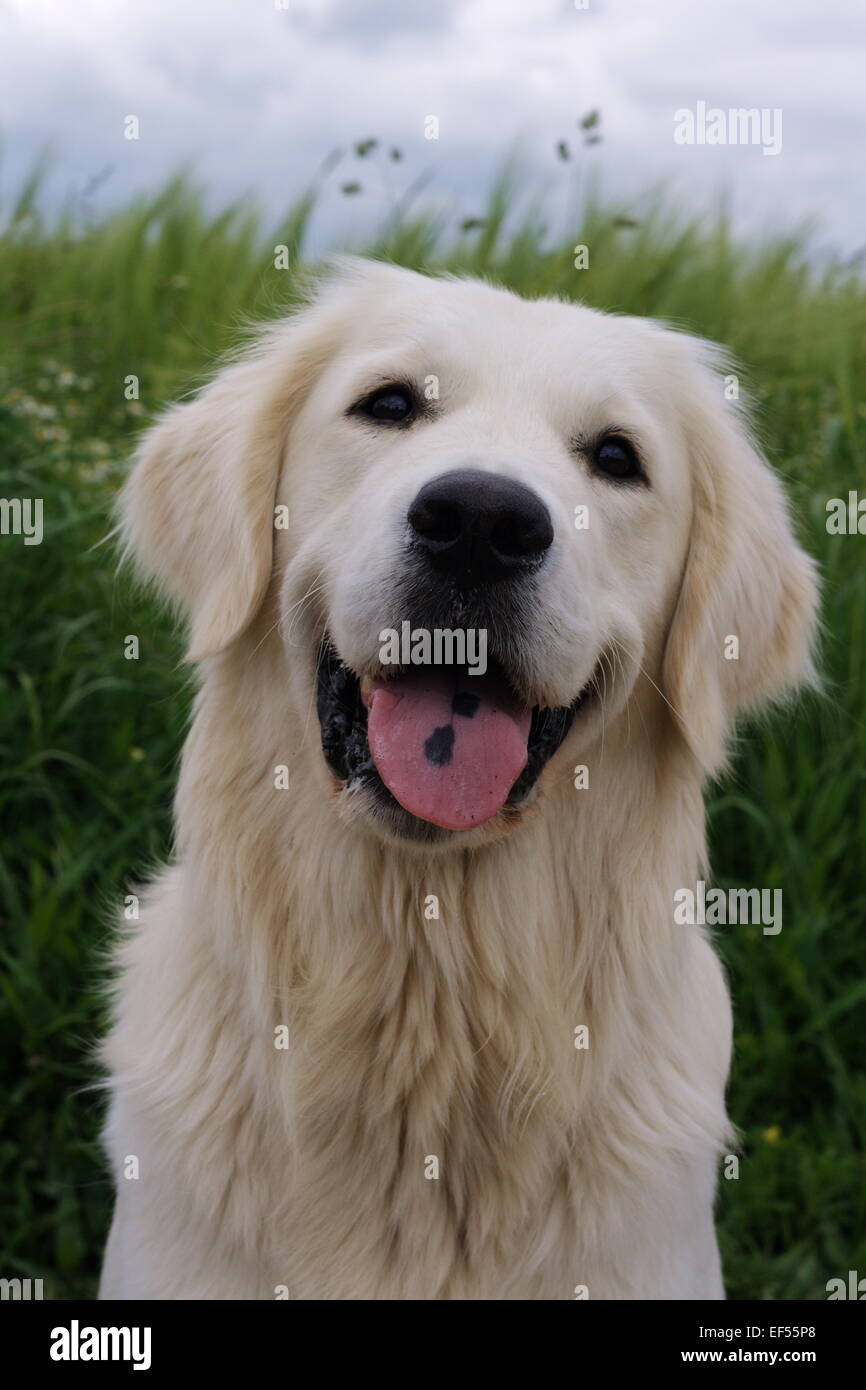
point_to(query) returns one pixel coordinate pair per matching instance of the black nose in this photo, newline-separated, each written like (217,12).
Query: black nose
(479,527)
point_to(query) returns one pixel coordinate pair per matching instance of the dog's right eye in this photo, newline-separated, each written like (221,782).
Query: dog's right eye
(389,405)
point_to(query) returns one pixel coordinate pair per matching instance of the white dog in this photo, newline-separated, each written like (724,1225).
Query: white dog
(410,1016)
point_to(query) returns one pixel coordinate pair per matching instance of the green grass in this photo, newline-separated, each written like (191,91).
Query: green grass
(90,741)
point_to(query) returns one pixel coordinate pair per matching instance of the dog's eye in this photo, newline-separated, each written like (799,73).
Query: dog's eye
(391,405)
(616,457)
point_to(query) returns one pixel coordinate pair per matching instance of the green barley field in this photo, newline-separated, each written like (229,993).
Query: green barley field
(90,741)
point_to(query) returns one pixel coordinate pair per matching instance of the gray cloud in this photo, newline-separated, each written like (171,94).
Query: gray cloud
(257,96)
(377,23)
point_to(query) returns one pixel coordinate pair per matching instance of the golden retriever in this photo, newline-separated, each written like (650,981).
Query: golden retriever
(410,1015)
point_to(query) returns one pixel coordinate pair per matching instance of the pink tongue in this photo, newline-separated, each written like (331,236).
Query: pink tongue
(448,746)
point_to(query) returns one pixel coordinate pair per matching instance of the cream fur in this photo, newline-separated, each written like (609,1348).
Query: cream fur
(409,1038)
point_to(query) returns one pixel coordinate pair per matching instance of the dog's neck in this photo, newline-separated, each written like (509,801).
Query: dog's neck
(322,899)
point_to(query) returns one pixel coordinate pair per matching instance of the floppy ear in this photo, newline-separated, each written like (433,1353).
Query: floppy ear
(198,509)
(745,578)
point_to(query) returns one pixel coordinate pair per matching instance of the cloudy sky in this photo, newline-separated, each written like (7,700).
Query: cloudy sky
(256,93)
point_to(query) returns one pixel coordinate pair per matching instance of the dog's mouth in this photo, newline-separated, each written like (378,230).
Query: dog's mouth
(450,747)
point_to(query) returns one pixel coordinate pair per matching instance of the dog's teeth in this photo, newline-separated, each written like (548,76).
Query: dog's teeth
(366,689)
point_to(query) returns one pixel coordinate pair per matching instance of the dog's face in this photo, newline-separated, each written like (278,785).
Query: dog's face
(506,472)
(493,517)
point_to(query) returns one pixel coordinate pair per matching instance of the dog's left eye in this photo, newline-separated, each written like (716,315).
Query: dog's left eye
(390,405)
(616,457)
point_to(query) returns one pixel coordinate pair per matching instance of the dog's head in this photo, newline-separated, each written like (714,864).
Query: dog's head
(480,521)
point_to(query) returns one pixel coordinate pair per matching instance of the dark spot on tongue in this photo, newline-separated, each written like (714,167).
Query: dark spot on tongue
(465,703)
(440,745)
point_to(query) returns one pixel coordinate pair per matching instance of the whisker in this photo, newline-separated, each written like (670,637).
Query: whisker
(314,696)
(297,608)
(264,638)
(645,672)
